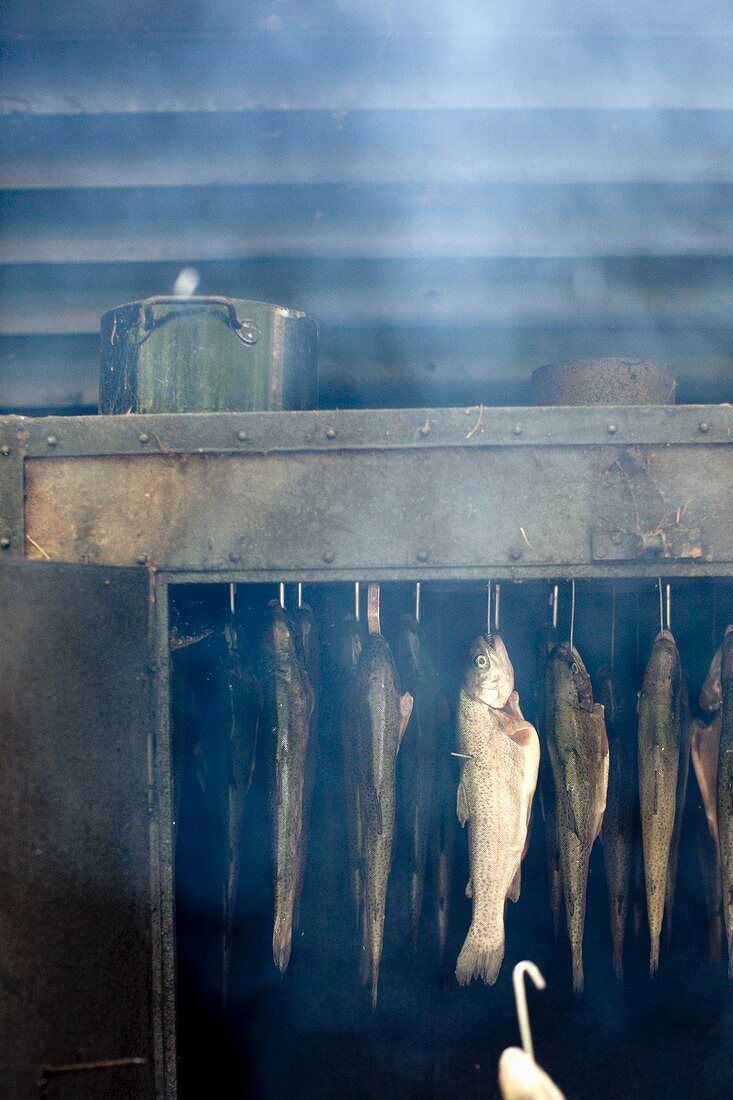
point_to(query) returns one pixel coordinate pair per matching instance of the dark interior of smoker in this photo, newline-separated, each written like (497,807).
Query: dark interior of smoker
(313,1033)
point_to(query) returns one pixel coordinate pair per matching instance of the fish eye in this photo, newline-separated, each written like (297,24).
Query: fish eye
(481,660)
(574,668)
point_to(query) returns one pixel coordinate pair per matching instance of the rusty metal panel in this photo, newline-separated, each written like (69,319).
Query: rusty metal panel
(76,726)
(522,509)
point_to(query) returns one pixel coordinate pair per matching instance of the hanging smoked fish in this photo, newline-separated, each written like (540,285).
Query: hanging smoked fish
(307,641)
(500,756)
(617,833)
(419,760)
(578,746)
(725,791)
(659,736)
(287,714)
(686,731)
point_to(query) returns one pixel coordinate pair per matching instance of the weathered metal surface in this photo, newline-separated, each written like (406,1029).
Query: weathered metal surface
(76,726)
(479,508)
(603,382)
(207,354)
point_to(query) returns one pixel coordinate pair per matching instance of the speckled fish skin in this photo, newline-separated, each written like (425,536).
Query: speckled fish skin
(286,726)
(346,645)
(617,833)
(382,715)
(419,757)
(245,702)
(683,773)
(660,728)
(499,766)
(578,746)
(725,792)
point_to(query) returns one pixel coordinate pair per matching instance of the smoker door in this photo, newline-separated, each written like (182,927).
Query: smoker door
(76,723)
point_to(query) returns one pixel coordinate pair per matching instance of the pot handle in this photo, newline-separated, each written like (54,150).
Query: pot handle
(245,330)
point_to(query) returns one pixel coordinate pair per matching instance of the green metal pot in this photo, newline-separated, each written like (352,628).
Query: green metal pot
(207,354)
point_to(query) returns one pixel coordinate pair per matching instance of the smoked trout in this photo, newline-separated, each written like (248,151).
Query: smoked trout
(617,833)
(305,632)
(419,759)
(704,751)
(659,737)
(711,692)
(345,646)
(286,720)
(244,708)
(578,745)
(725,792)
(500,756)
(382,714)
(683,773)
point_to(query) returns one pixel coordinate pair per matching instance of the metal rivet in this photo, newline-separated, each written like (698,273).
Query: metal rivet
(142,559)
(518,429)
(330,433)
(704,427)
(234,557)
(52,440)
(515,553)
(328,556)
(5,449)
(144,437)
(242,436)
(425,430)
(611,429)
(422,555)
(5,542)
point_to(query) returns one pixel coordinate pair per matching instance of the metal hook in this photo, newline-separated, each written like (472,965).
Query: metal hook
(520,998)
(661,604)
(373,623)
(417,601)
(300,595)
(572,611)
(497,607)
(357,601)
(282,595)
(555,593)
(488,607)
(232,594)
(668,594)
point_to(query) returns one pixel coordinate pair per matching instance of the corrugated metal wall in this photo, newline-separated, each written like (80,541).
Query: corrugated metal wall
(458,193)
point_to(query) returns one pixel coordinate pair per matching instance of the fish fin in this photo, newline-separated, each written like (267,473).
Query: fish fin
(469,889)
(462,807)
(479,960)
(406,705)
(516,885)
(512,706)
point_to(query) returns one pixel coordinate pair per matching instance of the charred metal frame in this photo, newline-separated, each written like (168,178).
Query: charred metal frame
(389,495)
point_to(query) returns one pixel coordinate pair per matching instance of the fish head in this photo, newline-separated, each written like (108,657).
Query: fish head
(663,668)
(489,674)
(277,635)
(409,642)
(572,676)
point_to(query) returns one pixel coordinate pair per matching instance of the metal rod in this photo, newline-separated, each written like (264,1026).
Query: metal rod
(669,606)
(282,595)
(488,607)
(300,594)
(357,601)
(661,604)
(572,611)
(613,626)
(373,621)
(520,999)
(232,595)
(555,593)
(417,601)
(497,607)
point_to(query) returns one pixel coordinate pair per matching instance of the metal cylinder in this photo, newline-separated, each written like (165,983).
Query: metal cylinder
(207,354)
(603,382)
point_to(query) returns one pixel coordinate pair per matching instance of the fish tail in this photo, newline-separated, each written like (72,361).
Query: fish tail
(578,975)
(479,958)
(654,954)
(282,940)
(375,984)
